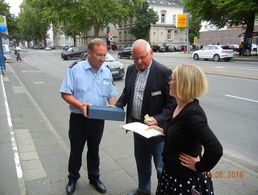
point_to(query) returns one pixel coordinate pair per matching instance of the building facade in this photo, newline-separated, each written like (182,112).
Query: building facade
(163,32)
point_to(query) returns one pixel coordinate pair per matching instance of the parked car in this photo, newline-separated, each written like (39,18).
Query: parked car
(114,47)
(73,53)
(215,52)
(172,48)
(65,48)
(234,47)
(162,48)
(47,48)
(254,49)
(117,68)
(126,53)
(7,52)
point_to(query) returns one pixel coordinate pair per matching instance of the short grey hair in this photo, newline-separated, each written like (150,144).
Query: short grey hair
(96,42)
(142,42)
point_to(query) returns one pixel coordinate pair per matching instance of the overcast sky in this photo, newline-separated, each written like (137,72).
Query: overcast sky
(14,6)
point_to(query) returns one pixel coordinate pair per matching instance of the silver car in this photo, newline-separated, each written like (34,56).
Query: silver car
(215,52)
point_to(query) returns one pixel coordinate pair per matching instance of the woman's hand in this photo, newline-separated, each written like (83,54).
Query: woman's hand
(188,161)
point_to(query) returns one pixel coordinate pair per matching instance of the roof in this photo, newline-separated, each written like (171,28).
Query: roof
(162,3)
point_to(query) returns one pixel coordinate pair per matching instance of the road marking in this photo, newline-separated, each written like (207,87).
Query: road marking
(241,98)
(38,82)
(15,150)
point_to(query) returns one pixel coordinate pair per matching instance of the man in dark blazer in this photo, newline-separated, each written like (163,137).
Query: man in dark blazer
(146,91)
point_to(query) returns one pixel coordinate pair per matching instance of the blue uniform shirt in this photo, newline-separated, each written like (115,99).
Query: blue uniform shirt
(87,86)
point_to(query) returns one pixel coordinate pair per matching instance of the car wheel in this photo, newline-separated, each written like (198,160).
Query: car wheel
(196,57)
(119,56)
(216,58)
(68,57)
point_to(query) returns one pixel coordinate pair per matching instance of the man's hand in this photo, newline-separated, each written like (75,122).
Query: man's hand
(84,108)
(188,161)
(149,120)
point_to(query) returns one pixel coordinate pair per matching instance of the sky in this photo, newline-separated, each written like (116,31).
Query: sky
(14,6)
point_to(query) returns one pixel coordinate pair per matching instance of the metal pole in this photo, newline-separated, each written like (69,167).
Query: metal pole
(187,33)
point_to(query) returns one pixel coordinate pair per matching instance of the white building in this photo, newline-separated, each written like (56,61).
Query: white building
(165,31)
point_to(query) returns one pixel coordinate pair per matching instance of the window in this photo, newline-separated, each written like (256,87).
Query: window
(174,19)
(163,18)
(169,34)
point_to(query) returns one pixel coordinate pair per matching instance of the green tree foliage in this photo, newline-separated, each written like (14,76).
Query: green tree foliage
(34,21)
(143,20)
(229,12)
(99,13)
(10,19)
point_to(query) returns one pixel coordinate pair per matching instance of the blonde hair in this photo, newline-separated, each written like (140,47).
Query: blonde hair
(191,82)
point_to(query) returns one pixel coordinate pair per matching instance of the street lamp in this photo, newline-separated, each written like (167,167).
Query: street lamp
(188,16)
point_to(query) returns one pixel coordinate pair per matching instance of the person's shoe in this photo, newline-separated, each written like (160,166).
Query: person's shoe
(136,192)
(70,187)
(98,185)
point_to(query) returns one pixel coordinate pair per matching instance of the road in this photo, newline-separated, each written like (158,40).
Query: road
(231,102)
(38,111)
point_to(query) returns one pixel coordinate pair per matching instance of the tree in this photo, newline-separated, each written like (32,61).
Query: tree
(226,13)
(143,20)
(10,19)
(34,21)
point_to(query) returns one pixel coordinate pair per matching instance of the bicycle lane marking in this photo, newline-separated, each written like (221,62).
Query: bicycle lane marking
(13,141)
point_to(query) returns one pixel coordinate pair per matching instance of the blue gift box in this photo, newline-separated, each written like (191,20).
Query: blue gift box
(106,113)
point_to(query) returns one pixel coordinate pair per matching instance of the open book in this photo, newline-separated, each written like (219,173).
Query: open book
(142,129)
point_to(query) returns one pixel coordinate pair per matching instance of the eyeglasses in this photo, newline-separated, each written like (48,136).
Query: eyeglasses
(140,58)
(170,79)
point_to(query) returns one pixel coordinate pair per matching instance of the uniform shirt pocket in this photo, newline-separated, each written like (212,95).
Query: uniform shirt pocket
(106,87)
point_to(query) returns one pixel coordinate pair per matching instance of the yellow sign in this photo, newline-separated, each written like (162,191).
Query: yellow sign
(181,21)
(195,40)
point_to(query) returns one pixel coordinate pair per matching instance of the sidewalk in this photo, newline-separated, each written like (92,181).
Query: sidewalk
(44,147)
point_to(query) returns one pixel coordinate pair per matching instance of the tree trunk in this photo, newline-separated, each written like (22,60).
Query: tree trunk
(96,31)
(74,40)
(249,33)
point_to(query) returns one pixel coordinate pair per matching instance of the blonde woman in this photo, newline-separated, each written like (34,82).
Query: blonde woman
(186,166)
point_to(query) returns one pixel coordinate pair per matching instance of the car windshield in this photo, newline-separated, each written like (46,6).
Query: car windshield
(225,47)
(109,57)
(70,49)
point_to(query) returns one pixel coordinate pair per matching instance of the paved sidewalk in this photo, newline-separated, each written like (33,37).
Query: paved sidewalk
(44,148)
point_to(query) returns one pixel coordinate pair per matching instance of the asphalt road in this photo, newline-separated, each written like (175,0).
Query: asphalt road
(231,102)
(40,119)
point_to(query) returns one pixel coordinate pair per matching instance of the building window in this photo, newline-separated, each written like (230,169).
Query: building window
(169,35)
(120,36)
(125,35)
(174,19)
(163,18)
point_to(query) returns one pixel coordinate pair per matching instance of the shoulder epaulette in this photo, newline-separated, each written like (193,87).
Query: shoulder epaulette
(74,63)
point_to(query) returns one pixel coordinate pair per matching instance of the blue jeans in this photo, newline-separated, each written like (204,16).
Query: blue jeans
(144,149)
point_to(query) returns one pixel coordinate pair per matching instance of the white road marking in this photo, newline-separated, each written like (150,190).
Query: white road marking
(38,82)
(15,150)
(241,98)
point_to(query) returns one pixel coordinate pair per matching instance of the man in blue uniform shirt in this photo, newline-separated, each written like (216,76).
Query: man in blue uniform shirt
(87,83)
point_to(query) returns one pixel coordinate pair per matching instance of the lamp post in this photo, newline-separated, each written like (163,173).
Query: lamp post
(188,16)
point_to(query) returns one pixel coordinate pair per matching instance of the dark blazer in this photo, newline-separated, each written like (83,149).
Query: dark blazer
(156,99)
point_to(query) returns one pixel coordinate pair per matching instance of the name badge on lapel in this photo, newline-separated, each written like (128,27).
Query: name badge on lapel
(155,93)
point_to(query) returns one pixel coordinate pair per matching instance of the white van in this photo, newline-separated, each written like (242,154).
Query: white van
(7,53)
